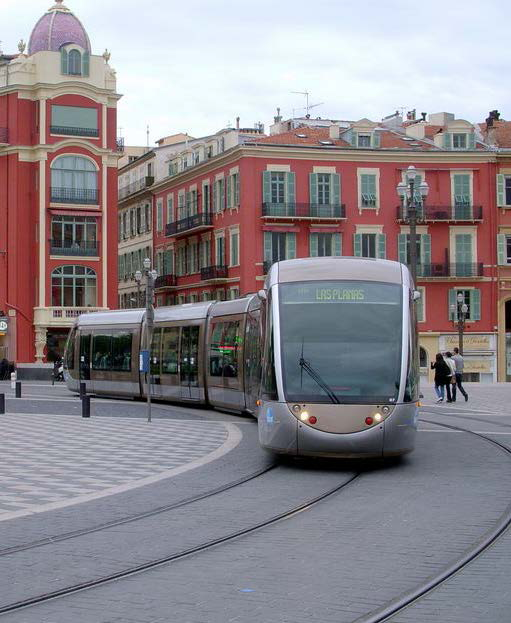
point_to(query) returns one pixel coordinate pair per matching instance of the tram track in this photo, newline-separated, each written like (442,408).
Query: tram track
(388,611)
(177,555)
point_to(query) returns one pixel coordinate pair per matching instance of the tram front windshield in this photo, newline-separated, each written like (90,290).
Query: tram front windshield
(341,341)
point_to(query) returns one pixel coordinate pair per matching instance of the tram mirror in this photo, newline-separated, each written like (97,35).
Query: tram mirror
(416,295)
(262,295)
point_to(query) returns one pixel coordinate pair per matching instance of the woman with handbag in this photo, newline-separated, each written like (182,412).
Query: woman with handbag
(442,372)
(452,377)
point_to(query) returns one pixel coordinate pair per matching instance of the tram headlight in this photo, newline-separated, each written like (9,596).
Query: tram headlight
(304,415)
(378,417)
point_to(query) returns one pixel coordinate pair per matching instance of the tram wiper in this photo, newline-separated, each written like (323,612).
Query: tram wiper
(305,365)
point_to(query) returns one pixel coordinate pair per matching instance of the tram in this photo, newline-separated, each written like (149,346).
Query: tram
(325,357)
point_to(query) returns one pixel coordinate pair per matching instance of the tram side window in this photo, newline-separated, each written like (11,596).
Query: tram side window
(70,350)
(223,356)
(269,382)
(155,351)
(121,352)
(101,352)
(170,350)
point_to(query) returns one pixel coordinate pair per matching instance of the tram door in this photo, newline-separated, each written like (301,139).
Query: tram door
(252,360)
(189,368)
(85,340)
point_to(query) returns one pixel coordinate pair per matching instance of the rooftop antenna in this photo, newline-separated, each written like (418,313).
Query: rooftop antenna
(147,132)
(307,105)
(120,132)
(402,110)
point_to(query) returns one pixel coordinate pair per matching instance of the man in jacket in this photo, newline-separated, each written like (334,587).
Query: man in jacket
(459,364)
(451,382)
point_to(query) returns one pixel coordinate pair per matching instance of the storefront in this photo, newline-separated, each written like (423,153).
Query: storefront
(4,346)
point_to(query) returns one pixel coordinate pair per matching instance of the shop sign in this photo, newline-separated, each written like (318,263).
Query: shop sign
(483,366)
(4,325)
(470,342)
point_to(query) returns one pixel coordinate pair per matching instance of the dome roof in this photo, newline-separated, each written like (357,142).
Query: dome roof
(57,27)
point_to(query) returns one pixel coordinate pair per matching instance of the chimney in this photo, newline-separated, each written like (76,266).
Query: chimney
(424,115)
(410,115)
(237,123)
(334,131)
(277,118)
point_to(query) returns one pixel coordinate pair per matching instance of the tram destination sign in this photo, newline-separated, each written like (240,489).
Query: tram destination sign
(342,292)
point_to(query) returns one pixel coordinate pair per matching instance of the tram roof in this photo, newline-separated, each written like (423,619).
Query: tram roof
(187,311)
(119,316)
(331,268)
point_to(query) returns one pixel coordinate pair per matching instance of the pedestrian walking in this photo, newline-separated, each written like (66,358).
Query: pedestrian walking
(460,364)
(451,384)
(442,374)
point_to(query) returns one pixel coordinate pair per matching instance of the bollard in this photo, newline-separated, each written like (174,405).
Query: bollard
(86,406)
(18,389)
(2,404)
(13,380)
(83,390)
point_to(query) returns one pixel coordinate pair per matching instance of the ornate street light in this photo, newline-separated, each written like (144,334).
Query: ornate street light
(459,315)
(406,191)
(138,279)
(151,276)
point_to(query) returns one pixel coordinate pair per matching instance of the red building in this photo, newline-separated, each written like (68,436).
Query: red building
(58,186)
(307,190)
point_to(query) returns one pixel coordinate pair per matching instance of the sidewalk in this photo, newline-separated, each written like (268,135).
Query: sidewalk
(483,397)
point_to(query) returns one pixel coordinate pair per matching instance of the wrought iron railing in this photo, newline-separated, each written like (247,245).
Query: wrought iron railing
(204,219)
(304,210)
(458,269)
(213,272)
(86,196)
(134,187)
(442,213)
(165,281)
(74,247)
(68,131)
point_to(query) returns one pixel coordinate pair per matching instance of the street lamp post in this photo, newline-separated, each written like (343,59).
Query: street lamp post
(459,315)
(406,191)
(149,315)
(138,279)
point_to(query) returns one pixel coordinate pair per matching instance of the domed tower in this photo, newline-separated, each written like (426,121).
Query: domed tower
(58,179)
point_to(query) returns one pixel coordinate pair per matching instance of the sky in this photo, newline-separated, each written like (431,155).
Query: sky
(195,66)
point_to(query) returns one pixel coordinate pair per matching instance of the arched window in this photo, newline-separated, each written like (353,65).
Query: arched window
(74,180)
(75,63)
(73,286)
(423,357)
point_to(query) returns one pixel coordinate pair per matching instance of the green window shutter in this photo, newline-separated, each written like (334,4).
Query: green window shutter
(471,143)
(375,139)
(501,249)
(425,249)
(290,246)
(452,301)
(313,187)
(401,245)
(501,194)
(266,186)
(313,245)
(354,138)
(64,64)
(357,245)
(381,241)
(237,190)
(447,140)
(229,192)
(335,195)
(475,305)
(290,188)
(85,64)
(336,244)
(215,197)
(462,188)
(267,246)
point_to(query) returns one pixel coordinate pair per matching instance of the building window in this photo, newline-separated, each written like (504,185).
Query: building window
(233,293)
(206,296)
(234,248)
(463,255)
(181,261)
(504,249)
(205,254)
(471,297)
(219,196)
(193,255)
(73,63)
(74,180)
(461,186)
(73,286)
(459,141)
(170,209)
(278,246)
(206,198)
(420,305)
(368,190)
(278,186)
(323,188)
(325,245)
(74,121)
(364,140)
(159,215)
(370,245)
(503,190)
(74,235)
(508,190)
(220,251)
(148,217)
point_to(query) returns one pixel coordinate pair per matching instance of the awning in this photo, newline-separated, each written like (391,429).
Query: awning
(325,230)
(60,212)
(281,228)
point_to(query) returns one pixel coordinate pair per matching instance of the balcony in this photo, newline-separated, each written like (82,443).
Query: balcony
(195,223)
(165,281)
(82,196)
(134,187)
(213,272)
(433,214)
(444,270)
(305,211)
(83,248)
(68,131)
(4,135)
